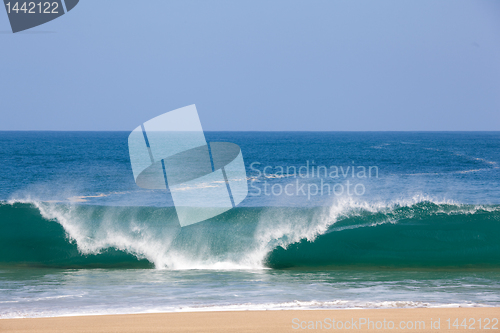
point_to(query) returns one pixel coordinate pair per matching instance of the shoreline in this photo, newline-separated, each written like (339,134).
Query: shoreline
(339,320)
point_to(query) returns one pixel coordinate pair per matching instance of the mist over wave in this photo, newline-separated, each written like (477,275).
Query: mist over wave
(404,233)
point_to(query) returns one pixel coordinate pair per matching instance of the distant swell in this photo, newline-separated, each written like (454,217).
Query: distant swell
(417,233)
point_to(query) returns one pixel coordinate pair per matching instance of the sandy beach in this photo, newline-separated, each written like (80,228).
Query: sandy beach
(366,320)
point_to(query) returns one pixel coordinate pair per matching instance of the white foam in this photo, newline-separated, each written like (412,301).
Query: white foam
(295,305)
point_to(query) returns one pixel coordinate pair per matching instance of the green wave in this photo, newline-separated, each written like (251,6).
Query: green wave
(422,234)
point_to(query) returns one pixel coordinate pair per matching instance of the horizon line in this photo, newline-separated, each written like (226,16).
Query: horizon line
(270,131)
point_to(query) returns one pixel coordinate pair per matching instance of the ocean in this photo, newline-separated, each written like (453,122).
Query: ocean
(332,220)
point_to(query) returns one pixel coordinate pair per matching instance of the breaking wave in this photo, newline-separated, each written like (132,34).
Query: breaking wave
(419,232)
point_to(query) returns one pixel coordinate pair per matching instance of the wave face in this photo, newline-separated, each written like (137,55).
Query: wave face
(423,234)
(416,233)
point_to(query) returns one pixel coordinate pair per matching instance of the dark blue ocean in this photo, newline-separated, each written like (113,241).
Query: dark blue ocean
(332,220)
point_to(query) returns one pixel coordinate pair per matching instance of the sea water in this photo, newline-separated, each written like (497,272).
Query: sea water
(332,220)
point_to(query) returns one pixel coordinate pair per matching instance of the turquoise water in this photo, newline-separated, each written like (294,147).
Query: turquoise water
(420,229)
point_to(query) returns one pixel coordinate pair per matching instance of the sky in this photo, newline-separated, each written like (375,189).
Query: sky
(257,65)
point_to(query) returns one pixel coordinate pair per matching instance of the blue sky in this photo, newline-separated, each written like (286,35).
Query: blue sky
(257,65)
